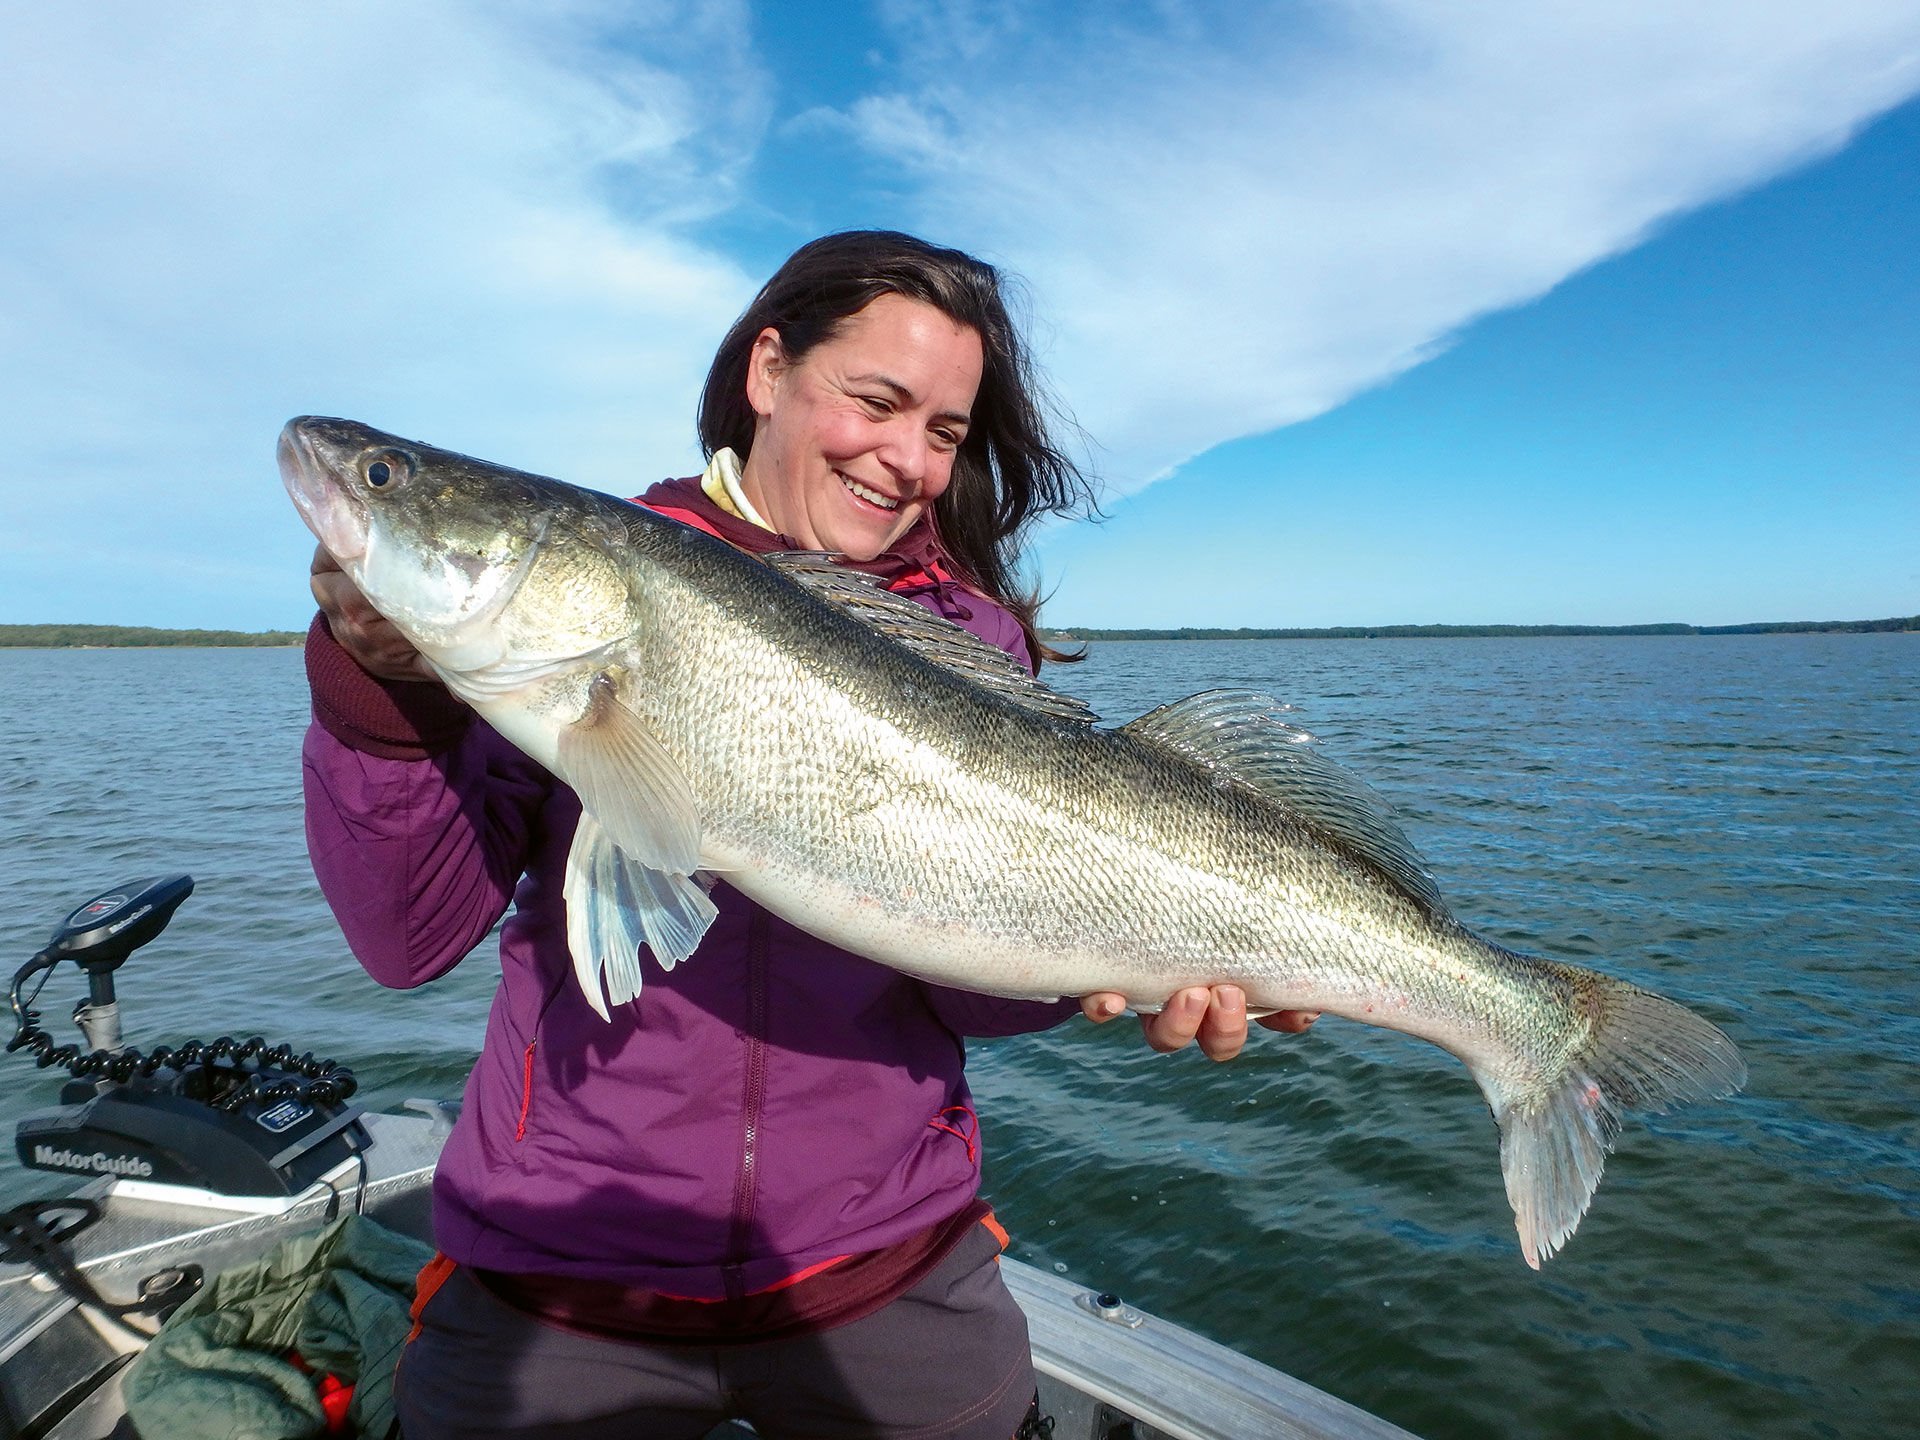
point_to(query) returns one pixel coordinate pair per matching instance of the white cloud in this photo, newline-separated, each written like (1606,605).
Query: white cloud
(1231,225)
(462,222)
(470,222)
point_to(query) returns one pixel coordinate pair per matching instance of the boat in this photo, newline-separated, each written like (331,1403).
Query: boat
(173,1177)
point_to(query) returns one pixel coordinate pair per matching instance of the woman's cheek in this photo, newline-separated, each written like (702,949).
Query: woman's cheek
(847,437)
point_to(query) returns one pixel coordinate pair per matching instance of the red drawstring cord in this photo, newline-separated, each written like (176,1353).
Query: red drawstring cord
(970,1138)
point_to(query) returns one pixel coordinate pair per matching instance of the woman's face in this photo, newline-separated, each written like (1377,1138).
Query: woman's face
(854,440)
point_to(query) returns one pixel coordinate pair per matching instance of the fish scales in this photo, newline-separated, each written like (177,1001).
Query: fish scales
(877,781)
(1057,817)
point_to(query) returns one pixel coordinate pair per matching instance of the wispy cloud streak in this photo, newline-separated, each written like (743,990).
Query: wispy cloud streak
(1231,226)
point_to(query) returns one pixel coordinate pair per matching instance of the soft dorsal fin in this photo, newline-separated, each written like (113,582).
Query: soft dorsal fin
(1239,735)
(930,636)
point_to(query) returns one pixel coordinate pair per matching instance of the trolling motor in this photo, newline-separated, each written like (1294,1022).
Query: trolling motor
(231,1118)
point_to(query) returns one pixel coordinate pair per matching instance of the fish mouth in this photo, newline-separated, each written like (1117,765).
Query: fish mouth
(336,516)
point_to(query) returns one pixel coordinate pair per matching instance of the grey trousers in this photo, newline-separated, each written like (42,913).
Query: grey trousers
(948,1360)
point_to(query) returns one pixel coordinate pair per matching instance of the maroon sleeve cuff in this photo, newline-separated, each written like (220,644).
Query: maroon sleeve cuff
(393,719)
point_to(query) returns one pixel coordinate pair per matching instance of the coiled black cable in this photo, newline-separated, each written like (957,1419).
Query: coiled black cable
(314,1082)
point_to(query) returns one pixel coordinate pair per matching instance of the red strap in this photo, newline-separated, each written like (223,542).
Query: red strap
(933,573)
(996,1229)
(432,1276)
(685,517)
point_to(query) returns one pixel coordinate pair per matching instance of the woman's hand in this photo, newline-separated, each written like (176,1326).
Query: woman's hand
(362,631)
(1216,1017)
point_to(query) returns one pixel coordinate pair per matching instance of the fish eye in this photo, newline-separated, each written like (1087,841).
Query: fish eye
(388,468)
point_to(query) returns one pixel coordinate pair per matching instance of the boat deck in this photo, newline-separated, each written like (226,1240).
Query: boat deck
(1102,1366)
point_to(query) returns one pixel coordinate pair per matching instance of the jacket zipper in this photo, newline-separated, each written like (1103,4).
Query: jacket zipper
(526,1094)
(526,1063)
(740,1240)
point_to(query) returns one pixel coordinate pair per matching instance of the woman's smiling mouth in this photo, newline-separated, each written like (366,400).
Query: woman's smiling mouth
(872,497)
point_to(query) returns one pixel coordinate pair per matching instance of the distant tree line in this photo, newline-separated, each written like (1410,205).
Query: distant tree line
(1458,632)
(101,636)
(1803,627)
(70,637)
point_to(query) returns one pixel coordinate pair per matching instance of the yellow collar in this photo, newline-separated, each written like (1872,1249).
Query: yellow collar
(721,484)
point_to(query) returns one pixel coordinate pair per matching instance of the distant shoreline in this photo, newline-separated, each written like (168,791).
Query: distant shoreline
(1897,625)
(139,637)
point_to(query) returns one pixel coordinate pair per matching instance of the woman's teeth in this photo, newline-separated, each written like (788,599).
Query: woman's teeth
(872,497)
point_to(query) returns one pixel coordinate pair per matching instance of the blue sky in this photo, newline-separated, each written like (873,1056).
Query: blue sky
(1370,310)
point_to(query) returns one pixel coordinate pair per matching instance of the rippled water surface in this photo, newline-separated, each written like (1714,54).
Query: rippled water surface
(1734,821)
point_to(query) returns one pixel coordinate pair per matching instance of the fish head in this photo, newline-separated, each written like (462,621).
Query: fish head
(451,549)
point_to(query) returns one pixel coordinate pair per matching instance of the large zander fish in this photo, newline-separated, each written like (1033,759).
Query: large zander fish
(885,781)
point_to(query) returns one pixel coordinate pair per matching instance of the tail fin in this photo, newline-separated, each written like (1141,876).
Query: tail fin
(1642,1052)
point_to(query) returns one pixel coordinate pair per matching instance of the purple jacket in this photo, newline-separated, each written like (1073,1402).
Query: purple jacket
(770,1103)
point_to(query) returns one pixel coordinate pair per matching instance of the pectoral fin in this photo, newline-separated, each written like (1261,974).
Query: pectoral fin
(629,783)
(630,872)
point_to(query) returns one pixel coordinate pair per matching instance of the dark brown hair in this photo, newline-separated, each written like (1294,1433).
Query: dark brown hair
(1008,471)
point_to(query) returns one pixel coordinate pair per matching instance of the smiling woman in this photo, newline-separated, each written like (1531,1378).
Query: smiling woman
(880,302)
(854,440)
(749,1187)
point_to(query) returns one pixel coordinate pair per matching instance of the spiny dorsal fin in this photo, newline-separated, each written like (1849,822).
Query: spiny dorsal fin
(1239,735)
(928,635)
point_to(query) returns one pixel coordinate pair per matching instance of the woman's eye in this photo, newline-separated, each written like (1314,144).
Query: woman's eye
(877,404)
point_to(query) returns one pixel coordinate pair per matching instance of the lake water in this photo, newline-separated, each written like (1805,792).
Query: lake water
(1734,821)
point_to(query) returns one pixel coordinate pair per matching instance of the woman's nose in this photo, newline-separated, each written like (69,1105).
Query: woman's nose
(904,451)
